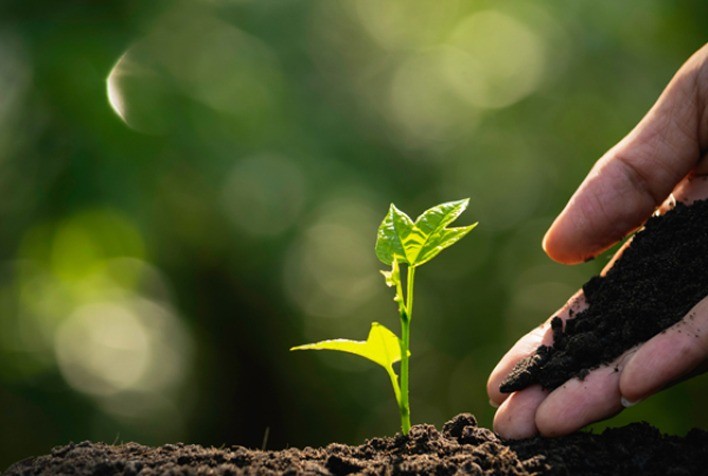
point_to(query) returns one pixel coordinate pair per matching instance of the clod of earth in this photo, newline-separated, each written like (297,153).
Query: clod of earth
(655,283)
(461,447)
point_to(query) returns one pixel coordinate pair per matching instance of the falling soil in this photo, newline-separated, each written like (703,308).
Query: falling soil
(654,284)
(461,448)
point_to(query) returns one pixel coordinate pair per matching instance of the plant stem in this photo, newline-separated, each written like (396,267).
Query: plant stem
(406,316)
(404,405)
(410,279)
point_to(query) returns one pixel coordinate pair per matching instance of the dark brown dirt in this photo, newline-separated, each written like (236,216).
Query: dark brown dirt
(655,283)
(461,448)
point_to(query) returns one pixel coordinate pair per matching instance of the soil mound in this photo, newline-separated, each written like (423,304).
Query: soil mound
(461,447)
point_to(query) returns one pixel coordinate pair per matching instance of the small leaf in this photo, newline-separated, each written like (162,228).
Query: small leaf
(394,228)
(432,233)
(393,277)
(419,242)
(381,346)
(441,240)
(393,280)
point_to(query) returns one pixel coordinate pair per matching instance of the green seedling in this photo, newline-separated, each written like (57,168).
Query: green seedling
(402,241)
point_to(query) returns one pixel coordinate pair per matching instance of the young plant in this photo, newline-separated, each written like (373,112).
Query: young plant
(402,241)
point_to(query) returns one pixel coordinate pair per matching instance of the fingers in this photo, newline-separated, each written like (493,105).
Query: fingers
(524,347)
(527,345)
(668,356)
(577,402)
(566,409)
(693,187)
(640,372)
(634,177)
(516,417)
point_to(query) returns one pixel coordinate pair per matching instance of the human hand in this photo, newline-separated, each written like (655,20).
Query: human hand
(665,155)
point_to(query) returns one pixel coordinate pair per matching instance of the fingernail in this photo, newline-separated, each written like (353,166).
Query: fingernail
(628,403)
(493,404)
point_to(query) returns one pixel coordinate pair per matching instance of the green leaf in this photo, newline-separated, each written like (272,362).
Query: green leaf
(419,242)
(381,346)
(395,226)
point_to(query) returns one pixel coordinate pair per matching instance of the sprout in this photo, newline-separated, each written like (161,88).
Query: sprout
(401,241)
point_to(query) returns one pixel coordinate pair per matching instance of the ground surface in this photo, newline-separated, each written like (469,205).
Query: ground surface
(461,448)
(656,282)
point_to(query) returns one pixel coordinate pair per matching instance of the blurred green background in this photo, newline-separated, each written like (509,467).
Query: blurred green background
(189,188)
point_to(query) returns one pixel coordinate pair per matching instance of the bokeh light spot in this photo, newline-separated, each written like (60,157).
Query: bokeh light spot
(85,240)
(408,24)
(192,53)
(138,94)
(126,345)
(494,60)
(422,104)
(102,349)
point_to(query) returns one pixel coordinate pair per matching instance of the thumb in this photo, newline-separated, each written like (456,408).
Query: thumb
(634,177)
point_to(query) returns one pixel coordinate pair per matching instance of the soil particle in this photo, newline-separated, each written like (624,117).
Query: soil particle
(460,448)
(654,284)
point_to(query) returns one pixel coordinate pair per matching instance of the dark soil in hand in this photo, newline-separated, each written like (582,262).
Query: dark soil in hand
(461,448)
(655,283)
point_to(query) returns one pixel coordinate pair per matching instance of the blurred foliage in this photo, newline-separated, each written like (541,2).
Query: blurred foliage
(189,188)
